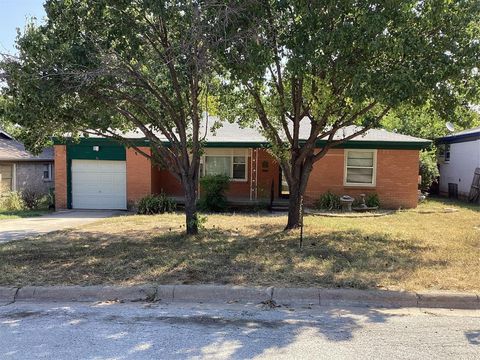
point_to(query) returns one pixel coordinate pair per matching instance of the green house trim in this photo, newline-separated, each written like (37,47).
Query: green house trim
(85,143)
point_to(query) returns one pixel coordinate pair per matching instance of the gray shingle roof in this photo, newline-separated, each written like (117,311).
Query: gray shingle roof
(233,133)
(12,150)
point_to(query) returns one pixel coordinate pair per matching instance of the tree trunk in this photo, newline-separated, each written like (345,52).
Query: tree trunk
(191,216)
(297,186)
(294,204)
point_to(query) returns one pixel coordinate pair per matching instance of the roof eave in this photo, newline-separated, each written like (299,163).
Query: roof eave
(26,160)
(358,144)
(458,138)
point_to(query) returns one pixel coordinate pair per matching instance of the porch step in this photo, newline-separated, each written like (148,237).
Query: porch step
(279,206)
(279,209)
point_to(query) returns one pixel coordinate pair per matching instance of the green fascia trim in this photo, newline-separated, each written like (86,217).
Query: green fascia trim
(352,144)
(394,145)
(231,144)
(98,141)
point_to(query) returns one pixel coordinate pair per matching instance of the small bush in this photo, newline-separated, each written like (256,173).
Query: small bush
(155,204)
(428,169)
(372,200)
(328,201)
(12,201)
(213,189)
(31,198)
(50,199)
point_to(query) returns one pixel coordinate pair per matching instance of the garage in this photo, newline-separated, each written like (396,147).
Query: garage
(99,184)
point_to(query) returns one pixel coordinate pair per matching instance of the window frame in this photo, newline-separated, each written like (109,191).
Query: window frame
(13,175)
(231,155)
(373,167)
(447,153)
(50,170)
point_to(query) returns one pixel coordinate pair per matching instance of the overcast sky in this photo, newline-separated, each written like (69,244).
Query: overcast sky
(13,15)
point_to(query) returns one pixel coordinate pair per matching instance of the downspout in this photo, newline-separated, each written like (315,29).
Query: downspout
(256,174)
(251,173)
(14,177)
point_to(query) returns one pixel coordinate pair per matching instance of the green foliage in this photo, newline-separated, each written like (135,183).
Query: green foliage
(428,169)
(212,192)
(372,200)
(342,55)
(427,123)
(50,199)
(12,201)
(328,201)
(199,221)
(325,65)
(107,67)
(31,198)
(155,204)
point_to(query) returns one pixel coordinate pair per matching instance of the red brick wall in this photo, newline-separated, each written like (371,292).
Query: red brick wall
(241,189)
(396,180)
(139,175)
(60,177)
(164,180)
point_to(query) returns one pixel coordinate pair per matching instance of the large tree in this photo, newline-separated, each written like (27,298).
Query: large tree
(106,67)
(325,65)
(426,122)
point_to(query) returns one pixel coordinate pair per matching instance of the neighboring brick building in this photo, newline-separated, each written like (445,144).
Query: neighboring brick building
(99,173)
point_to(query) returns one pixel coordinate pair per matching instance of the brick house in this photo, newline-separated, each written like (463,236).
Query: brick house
(97,173)
(20,170)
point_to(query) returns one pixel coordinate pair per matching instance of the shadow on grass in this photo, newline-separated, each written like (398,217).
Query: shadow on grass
(267,257)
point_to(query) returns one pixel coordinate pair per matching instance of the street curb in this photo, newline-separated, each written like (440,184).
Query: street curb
(241,294)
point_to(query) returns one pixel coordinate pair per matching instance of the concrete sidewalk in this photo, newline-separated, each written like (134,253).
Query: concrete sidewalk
(269,296)
(21,228)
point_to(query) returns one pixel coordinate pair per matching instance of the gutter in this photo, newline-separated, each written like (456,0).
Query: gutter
(351,144)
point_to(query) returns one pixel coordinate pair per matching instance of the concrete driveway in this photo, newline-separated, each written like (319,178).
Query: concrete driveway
(20,228)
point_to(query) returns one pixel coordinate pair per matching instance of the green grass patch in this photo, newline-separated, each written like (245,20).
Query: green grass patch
(423,248)
(21,214)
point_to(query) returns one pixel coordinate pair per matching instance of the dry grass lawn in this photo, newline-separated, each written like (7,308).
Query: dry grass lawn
(425,248)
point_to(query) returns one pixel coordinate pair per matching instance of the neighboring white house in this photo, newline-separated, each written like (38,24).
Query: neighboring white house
(458,158)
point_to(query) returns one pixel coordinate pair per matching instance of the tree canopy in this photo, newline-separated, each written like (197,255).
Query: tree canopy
(106,67)
(109,66)
(325,65)
(427,123)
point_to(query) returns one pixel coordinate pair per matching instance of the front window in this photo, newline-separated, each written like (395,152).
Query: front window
(447,152)
(6,178)
(47,172)
(233,164)
(218,165)
(444,152)
(360,167)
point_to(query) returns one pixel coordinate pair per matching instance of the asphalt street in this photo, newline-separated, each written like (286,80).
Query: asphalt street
(199,331)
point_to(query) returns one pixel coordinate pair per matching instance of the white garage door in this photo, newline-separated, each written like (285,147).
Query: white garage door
(99,184)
